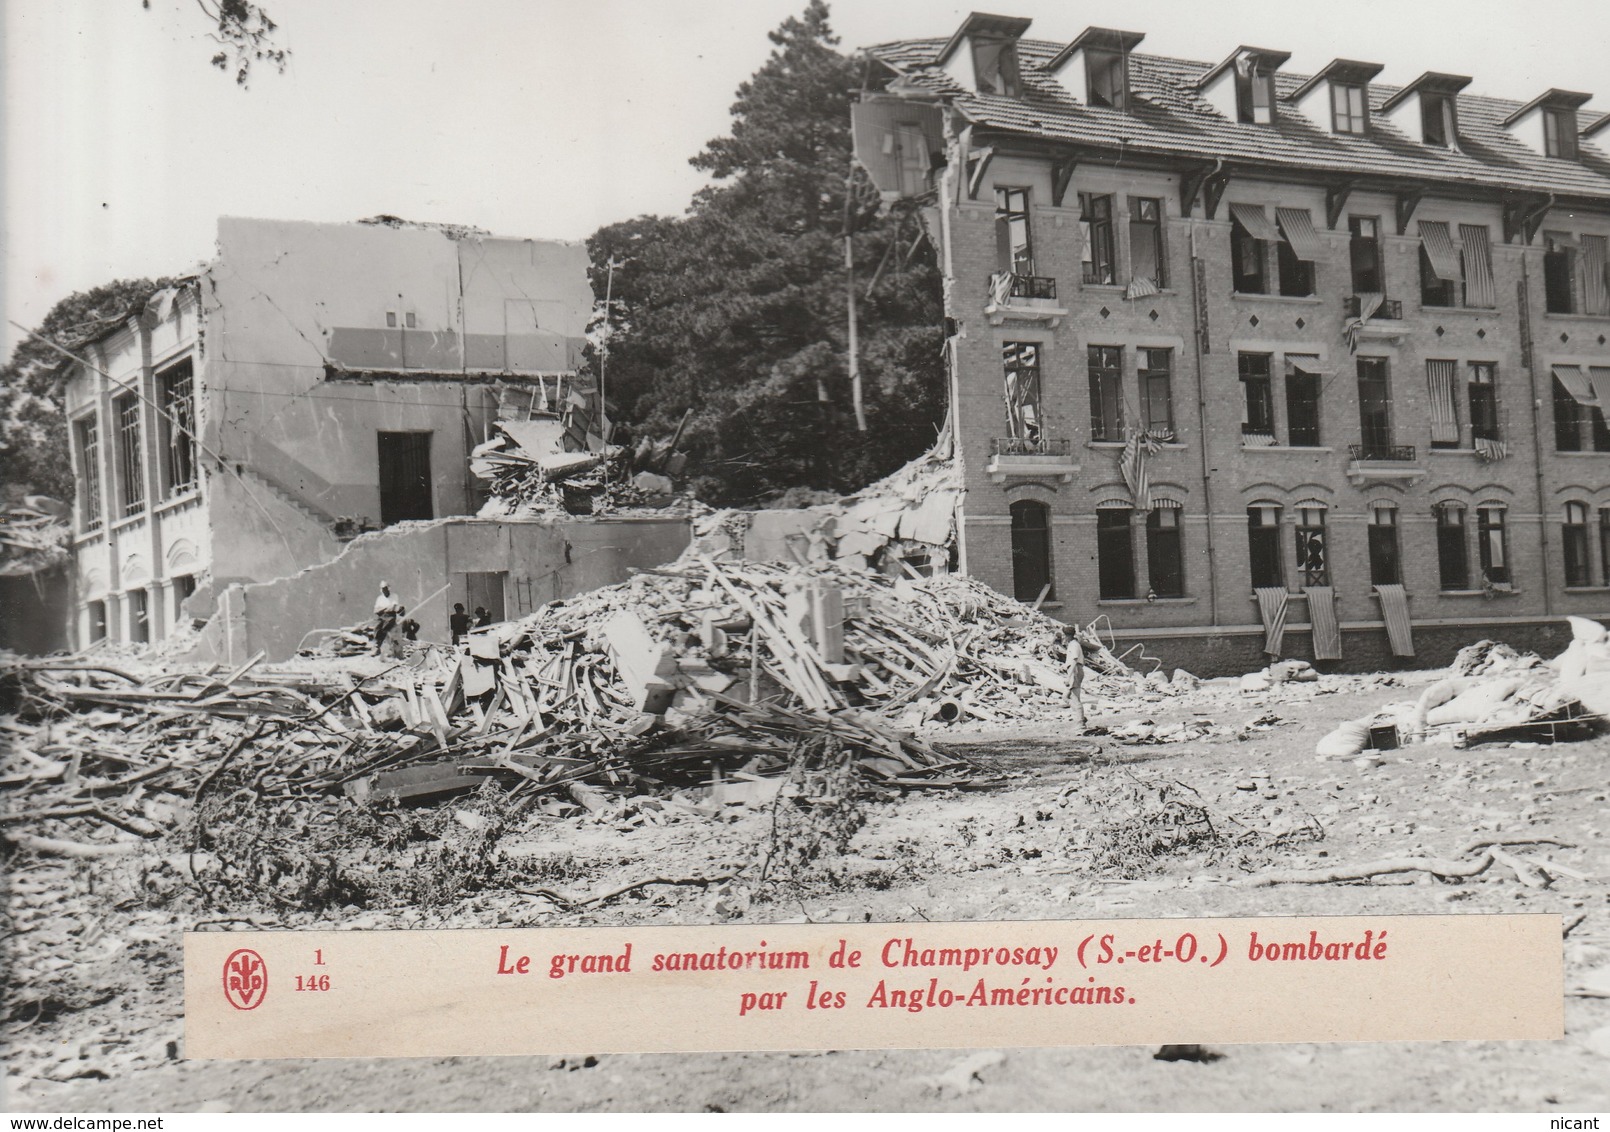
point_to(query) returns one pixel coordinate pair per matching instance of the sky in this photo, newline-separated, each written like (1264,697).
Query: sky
(121,146)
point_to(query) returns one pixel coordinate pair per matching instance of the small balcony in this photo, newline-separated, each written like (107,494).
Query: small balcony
(1019,457)
(1374,462)
(1022,298)
(1390,309)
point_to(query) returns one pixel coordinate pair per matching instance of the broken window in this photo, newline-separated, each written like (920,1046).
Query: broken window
(1313,567)
(1115,555)
(130,462)
(1579,424)
(1105,78)
(1574,536)
(1364,254)
(1483,390)
(95,615)
(995,66)
(1165,557)
(1013,252)
(1106,392)
(1386,563)
(1021,363)
(1247,260)
(183,586)
(1439,122)
(1156,397)
(1257,399)
(1302,400)
(1031,551)
(1492,545)
(176,394)
(1374,409)
(1263,545)
(89,474)
(1095,229)
(1453,560)
(1146,241)
(1254,90)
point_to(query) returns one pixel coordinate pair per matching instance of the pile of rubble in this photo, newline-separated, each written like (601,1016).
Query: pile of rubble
(1493,692)
(559,462)
(34,535)
(692,675)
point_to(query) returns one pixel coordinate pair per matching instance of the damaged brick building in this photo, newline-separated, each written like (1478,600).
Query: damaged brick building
(1247,360)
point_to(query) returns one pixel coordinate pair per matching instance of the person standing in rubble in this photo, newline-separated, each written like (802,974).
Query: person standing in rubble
(388,610)
(1073,662)
(458,622)
(483,617)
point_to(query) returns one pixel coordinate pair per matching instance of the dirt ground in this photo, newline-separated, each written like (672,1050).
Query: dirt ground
(1070,832)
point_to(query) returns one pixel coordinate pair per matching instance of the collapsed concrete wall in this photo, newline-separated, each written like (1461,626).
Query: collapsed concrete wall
(523,563)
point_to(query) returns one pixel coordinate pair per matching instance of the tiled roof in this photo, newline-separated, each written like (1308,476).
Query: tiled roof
(1168,116)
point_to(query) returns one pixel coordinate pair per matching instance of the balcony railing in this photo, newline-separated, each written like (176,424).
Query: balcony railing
(1007,285)
(1023,446)
(1399,453)
(1389,308)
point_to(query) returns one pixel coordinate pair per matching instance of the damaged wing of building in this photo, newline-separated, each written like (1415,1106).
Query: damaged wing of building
(313,382)
(1246,362)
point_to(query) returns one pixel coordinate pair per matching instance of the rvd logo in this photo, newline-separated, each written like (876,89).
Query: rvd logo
(245,979)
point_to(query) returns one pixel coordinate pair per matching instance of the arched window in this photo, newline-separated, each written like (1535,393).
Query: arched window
(1574,534)
(1453,557)
(1492,545)
(1313,562)
(1386,564)
(1031,551)
(1115,553)
(1263,545)
(1165,554)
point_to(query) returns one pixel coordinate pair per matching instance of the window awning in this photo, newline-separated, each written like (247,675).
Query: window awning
(1309,364)
(1576,384)
(1440,251)
(1599,381)
(1163,502)
(1299,228)
(1256,221)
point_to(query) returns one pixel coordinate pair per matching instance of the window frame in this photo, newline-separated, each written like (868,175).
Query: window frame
(1575,556)
(1010,256)
(1140,226)
(1385,546)
(1453,551)
(1027,510)
(1106,379)
(1101,66)
(1312,546)
(1249,261)
(176,424)
(1360,246)
(1559,273)
(1559,133)
(1165,552)
(1263,546)
(1297,275)
(1494,574)
(1374,435)
(1297,433)
(1349,108)
(130,453)
(90,490)
(1098,259)
(1484,422)
(1151,377)
(1257,79)
(1443,109)
(1115,554)
(1023,359)
(1247,363)
(995,66)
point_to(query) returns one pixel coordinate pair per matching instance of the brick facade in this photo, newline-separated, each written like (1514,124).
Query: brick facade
(1210,469)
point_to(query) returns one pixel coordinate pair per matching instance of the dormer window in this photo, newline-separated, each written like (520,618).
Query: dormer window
(1559,133)
(995,66)
(1349,108)
(1254,90)
(1106,79)
(1548,123)
(1439,121)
